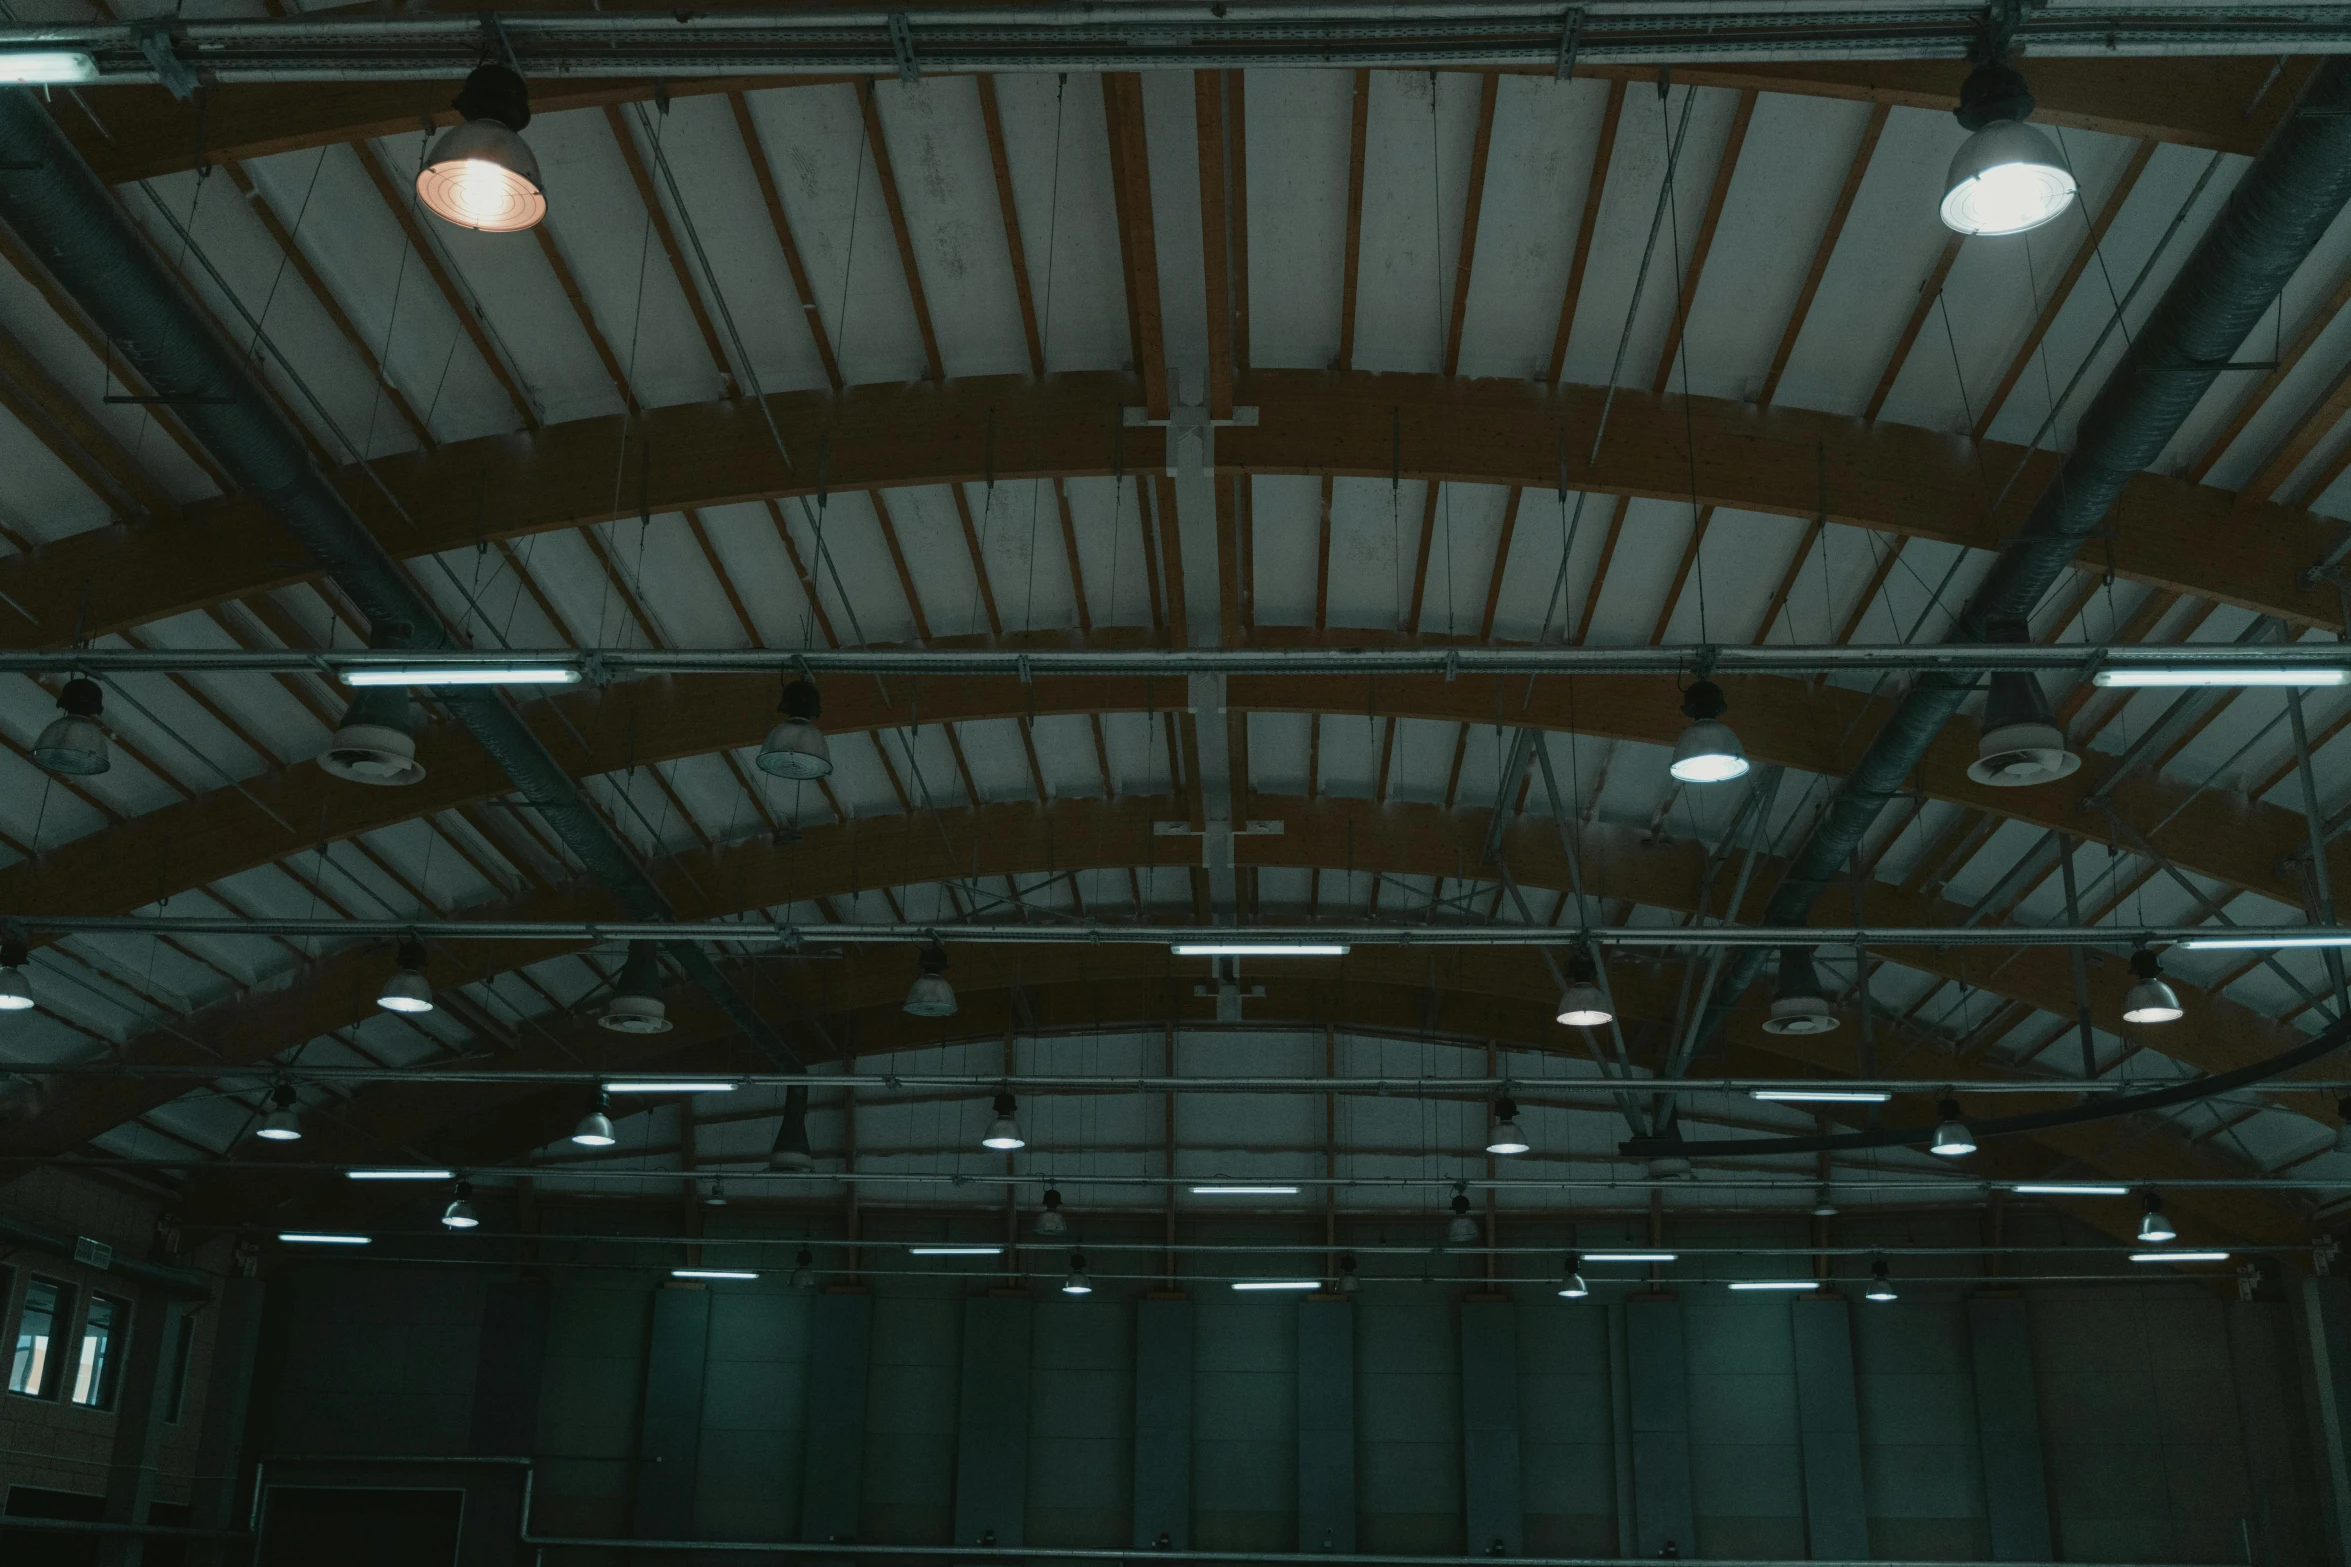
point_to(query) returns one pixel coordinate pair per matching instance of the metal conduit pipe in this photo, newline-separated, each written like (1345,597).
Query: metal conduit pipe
(2295,188)
(61,209)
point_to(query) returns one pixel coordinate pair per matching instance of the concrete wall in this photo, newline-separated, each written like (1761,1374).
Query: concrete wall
(2141,1391)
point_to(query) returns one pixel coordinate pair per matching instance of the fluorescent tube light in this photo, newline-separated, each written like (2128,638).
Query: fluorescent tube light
(2179,1256)
(1820,1096)
(2260,943)
(2278,675)
(463,675)
(667,1086)
(1244,1191)
(1632,1256)
(320,1238)
(402,1174)
(2068,1189)
(1262,949)
(711,1273)
(955,1251)
(1277,1284)
(1773,1284)
(42,67)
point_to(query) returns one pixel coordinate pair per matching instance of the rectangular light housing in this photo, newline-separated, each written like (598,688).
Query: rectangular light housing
(1262,949)
(954,1251)
(400,1175)
(1820,1096)
(1632,1256)
(45,67)
(670,1087)
(1775,1284)
(711,1273)
(1244,1191)
(2068,1189)
(2179,1256)
(464,675)
(2260,943)
(320,1238)
(1277,1284)
(2189,675)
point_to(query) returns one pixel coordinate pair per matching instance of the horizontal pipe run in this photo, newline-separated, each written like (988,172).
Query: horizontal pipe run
(1082,933)
(603,665)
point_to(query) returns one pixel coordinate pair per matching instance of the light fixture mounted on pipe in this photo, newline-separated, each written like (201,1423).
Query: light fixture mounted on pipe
(2150,998)
(1052,1221)
(931,994)
(481,174)
(1462,1228)
(283,1123)
(376,741)
(1799,1007)
(407,989)
(2021,744)
(74,743)
(460,1214)
(1952,1138)
(595,1128)
(16,993)
(1004,1131)
(1079,1282)
(1584,1004)
(1708,751)
(636,1006)
(795,748)
(1572,1285)
(1506,1138)
(1881,1287)
(2006,177)
(2155,1226)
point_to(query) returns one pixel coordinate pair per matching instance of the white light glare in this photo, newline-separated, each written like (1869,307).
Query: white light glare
(2179,1256)
(2068,1189)
(1820,1096)
(465,675)
(400,1175)
(1775,1284)
(320,1238)
(711,1273)
(41,67)
(666,1087)
(2165,679)
(954,1251)
(1261,949)
(1277,1284)
(2260,943)
(1244,1191)
(1632,1256)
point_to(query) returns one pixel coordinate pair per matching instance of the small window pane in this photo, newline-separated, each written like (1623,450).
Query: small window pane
(102,1338)
(33,1369)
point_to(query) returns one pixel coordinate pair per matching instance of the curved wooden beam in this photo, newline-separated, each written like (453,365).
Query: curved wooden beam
(1894,479)
(146,132)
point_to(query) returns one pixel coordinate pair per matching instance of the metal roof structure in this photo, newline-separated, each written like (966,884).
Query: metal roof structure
(1482,357)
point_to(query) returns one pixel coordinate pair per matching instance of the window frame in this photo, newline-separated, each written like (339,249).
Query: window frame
(52,1366)
(107,1383)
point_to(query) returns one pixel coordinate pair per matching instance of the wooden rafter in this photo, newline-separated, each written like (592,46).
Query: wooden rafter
(782,226)
(1831,231)
(1473,202)
(1694,270)
(86,448)
(1216,235)
(1352,266)
(878,146)
(586,315)
(1929,292)
(1138,246)
(1595,191)
(658,214)
(1002,163)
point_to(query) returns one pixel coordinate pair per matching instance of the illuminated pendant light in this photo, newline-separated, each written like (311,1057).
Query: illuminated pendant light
(1799,1007)
(595,1128)
(2150,998)
(1079,1282)
(1506,1138)
(931,995)
(283,1124)
(795,747)
(1572,1285)
(2155,1226)
(75,742)
(460,1215)
(1952,1138)
(1707,752)
(481,174)
(1463,1229)
(1052,1222)
(636,1006)
(16,993)
(1004,1132)
(407,990)
(1881,1287)
(2006,177)
(1584,1004)
(376,742)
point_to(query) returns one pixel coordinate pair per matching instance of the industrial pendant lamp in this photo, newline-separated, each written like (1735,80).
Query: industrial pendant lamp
(75,742)
(407,990)
(2150,998)
(930,995)
(1799,1007)
(481,174)
(595,1128)
(1707,752)
(795,747)
(1004,1131)
(1506,1138)
(459,1215)
(2155,1226)
(2021,744)
(1881,1287)
(16,993)
(283,1124)
(803,1270)
(1052,1222)
(791,1150)
(376,742)
(1079,1282)
(1463,1229)
(636,1006)
(1571,1284)
(2006,177)
(1584,1004)
(1952,1138)
(1348,1282)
